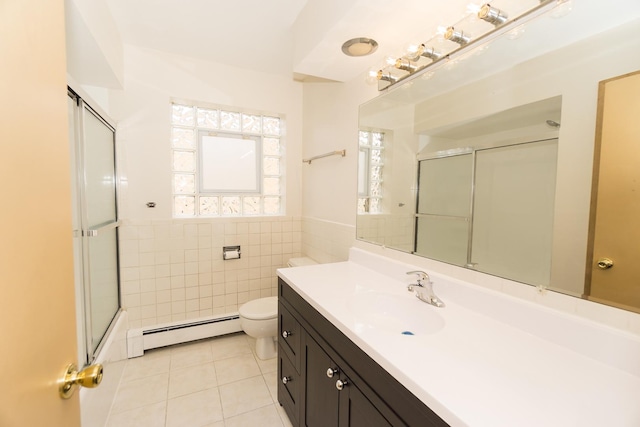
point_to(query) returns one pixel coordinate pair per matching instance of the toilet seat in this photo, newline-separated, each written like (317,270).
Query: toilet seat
(260,309)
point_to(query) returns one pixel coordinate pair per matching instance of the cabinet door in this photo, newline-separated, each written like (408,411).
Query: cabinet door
(288,386)
(356,410)
(289,335)
(320,392)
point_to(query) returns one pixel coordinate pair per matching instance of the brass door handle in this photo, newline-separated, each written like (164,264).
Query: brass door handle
(89,377)
(605,263)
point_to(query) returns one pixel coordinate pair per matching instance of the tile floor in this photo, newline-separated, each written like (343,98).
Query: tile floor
(211,383)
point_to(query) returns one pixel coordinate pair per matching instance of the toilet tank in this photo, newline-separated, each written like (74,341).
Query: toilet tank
(299,262)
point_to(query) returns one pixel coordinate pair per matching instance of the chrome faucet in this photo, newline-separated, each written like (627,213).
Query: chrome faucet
(423,282)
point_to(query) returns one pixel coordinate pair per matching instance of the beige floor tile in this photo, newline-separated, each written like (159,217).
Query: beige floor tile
(283,416)
(145,416)
(236,368)
(230,346)
(269,365)
(244,396)
(151,363)
(194,410)
(271,379)
(192,379)
(141,392)
(196,384)
(191,355)
(267,416)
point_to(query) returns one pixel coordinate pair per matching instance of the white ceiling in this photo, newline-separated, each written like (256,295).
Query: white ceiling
(289,37)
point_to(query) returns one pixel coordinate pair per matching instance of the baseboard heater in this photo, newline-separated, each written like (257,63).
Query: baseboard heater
(139,340)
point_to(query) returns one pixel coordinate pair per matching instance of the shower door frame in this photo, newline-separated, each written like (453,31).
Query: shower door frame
(81,232)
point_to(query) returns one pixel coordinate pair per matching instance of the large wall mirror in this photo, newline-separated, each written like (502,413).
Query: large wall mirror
(494,161)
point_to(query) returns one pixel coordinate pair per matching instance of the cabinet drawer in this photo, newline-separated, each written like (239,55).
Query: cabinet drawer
(288,386)
(289,335)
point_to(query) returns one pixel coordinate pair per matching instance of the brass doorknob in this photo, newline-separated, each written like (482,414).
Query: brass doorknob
(89,377)
(605,263)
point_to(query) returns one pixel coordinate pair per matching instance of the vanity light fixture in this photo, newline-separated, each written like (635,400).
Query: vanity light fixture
(386,76)
(492,15)
(456,36)
(447,56)
(406,65)
(427,52)
(360,46)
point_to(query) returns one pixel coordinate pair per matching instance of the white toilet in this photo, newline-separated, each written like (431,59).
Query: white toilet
(259,319)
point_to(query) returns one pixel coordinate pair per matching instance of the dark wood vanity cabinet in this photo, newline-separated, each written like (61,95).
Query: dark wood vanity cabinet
(330,398)
(326,380)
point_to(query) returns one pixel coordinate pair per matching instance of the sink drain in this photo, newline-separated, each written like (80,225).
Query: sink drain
(407,333)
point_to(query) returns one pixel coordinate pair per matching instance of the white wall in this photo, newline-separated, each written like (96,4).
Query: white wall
(172,269)
(94,48)
(331,123)
(142,112)
(329,196)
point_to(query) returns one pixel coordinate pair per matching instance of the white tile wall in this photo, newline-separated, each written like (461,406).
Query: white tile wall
(326,241)
(173,270)
(391,230)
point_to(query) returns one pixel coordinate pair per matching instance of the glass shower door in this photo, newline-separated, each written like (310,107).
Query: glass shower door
(95,224)
(101,223)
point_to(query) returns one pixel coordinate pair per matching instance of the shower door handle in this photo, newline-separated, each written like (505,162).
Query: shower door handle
(94,232)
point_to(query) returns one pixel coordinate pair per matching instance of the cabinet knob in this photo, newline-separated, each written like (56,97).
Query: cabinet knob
(341,384)
(332,371)
(286,380)
(286,334)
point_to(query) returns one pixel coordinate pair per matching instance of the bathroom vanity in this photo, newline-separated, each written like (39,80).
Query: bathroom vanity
(357,348)
(319,385)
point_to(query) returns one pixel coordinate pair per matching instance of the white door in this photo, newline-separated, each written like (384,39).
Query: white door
(37,307)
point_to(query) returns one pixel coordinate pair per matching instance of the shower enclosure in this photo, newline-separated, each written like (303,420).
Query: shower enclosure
(95,224)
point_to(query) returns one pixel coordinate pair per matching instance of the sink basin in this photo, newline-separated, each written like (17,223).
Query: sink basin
(394,314)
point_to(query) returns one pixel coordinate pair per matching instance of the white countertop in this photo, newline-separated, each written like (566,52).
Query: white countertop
(478,370)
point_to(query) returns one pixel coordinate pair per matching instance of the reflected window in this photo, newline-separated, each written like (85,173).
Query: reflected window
(226,162)
(370,164)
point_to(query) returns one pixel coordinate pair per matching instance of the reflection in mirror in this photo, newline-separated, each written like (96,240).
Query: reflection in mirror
(464,180)
(613,273)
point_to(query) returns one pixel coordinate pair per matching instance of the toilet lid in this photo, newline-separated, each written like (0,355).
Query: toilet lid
(260,309)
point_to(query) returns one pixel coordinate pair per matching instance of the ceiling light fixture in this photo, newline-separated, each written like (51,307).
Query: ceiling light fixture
(492,15)
(360,46)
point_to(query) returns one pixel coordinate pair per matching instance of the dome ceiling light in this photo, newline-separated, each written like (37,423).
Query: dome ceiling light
(360,46)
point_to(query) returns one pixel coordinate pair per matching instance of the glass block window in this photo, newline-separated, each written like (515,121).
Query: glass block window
(370,165)
(226,161)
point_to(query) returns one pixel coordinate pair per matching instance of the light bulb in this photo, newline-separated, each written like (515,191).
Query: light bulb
(372,76)
(390,60)
(411,51)
(473,9)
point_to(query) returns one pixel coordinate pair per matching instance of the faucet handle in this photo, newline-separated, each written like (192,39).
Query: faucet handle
(422,276)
